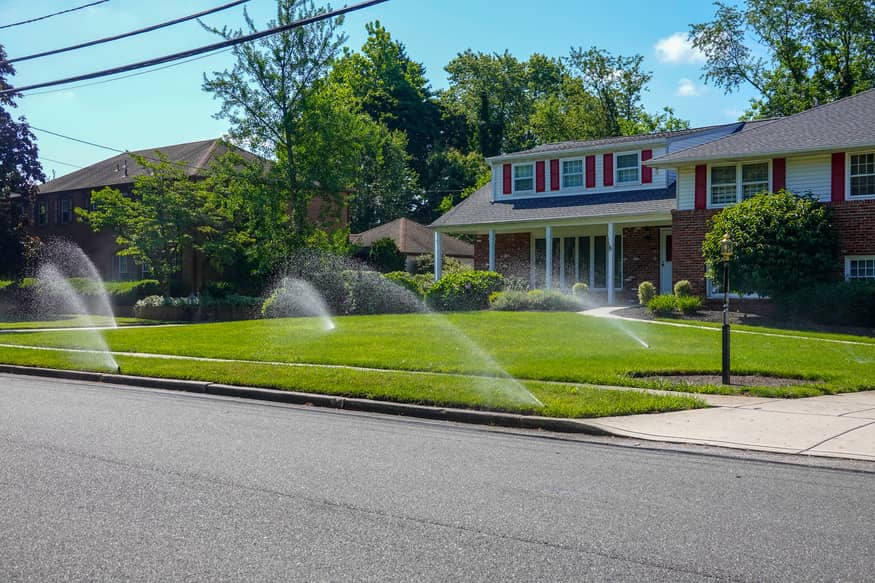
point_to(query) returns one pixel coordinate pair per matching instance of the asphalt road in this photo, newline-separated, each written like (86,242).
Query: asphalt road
(111,484)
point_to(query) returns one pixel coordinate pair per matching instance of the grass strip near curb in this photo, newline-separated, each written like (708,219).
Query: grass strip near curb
(72,322)
(532,346)
(496,394)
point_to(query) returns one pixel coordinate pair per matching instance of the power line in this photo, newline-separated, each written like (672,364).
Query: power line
(111,149)
(59,162)
(53,14)
(127,34)
(204,49)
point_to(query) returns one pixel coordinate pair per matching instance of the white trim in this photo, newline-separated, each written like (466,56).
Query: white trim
(739,187)
(513,177)
(576,152)
(562,174)
(849,259)
(848,195)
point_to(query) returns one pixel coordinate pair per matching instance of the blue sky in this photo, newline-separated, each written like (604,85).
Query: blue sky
(168,106)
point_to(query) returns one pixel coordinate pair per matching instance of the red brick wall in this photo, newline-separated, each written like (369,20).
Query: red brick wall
(512,254)
(688,232)
(855,223)
(640,256)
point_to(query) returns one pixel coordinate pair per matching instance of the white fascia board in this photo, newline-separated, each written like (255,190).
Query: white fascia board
(520,226)
(572,152)
(676,162)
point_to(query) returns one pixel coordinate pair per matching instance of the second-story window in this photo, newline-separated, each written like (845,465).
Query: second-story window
(66,211)
(627,168)
(863,174)
(572,173)
(735,183)
(523,177)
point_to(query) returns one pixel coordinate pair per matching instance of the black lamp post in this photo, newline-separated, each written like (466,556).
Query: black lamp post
(726,248)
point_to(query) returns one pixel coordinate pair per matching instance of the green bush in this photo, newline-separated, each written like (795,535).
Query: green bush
(662,305)
(514,283)
(688,304)
(4,283)
(646,292)
(371,293)
(683,288)
(847,303)
(467,290)
(537,300)
(417,284)
(384,256)
(424,265)
(218,289)
(580,290)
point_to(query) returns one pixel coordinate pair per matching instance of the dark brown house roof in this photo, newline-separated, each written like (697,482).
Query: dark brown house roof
(413,239)
(123,168)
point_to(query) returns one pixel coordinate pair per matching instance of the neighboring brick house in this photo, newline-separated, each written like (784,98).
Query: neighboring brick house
(614,212)
(54,208)
(413,240)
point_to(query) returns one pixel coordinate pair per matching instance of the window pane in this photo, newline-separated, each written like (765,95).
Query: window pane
(627,168)
(862,185)
(572,180)
(755,172)
(526,171)
(600,265)
(572,173)
(862,164)
(572,166)
(749,190)
(723,175)
(723,194)
(627,175)
(627,161)
(861,269)
(524,177)
(583,260)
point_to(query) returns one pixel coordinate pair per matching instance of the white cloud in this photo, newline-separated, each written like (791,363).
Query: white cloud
(677,49)
(686,88)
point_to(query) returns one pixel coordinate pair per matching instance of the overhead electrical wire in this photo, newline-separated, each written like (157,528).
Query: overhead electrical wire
(128,34)
(198,51)
(52,14)
(59,162)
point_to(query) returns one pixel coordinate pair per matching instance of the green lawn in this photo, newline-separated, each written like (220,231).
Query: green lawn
(534,347)
(72,321)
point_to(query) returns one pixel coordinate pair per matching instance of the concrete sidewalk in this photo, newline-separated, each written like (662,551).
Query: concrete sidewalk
(833,425)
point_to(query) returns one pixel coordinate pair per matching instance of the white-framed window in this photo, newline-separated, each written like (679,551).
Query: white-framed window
(732,183)
(628,168)
(860,267)
(862,174)
(66,211)
(572,173)
(523,177)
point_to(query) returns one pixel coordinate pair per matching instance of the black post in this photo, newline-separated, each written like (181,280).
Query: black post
(726,323)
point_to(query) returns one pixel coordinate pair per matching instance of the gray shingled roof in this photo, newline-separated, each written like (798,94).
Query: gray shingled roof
(413,239)
(846,123)
(111,172)
(478,209)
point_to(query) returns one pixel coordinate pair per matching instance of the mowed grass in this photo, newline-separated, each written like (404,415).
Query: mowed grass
(534,347)
(73,321)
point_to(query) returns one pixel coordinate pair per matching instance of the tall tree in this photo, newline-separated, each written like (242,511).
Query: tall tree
(266,95)
(393,90)
(814,51)
(20,172)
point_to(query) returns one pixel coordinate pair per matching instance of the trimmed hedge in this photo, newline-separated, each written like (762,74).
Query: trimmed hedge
(646,292)
(418,284)
(537,300)
(846,303)
(466,290)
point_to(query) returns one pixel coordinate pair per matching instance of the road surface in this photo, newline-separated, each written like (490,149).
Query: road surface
(102,483)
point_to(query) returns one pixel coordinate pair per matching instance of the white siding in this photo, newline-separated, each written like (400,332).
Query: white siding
(686,188)
(810,174)
(699,138)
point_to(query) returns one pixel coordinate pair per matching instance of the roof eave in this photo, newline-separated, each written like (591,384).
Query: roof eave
(595,148)
(674,162)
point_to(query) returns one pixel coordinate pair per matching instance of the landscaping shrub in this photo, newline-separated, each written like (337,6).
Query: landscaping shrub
(218,289)
(537,300)
(514,283)
(646,292)
(417,284)
(371,293)
(384,256)
(580,290)
(662,305)
(424,264)
(323,270)
(848,303)
(467,290)
(509,301)
(683,288)
(688,304)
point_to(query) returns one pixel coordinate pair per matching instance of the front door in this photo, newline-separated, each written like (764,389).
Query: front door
(665,261)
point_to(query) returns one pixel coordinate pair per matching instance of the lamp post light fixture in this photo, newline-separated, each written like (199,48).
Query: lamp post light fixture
(726,250)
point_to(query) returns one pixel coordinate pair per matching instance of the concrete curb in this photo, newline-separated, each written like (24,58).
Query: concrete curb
(472,416)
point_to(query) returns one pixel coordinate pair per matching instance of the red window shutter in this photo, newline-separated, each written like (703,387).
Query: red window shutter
(590,171)
(608,166)
(779,174)
(554,174)
(646,171)
(539,176)
(701,186)
(508,185)
(838,176)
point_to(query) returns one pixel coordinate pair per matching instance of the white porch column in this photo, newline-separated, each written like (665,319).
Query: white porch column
(610,263)
(548,276)
(491,249)
(438,256)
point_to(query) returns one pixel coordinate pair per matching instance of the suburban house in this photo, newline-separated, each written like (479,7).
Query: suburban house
(54,214)
(614,212)
(413,239)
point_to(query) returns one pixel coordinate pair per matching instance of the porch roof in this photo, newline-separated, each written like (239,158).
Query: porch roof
(479,209)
